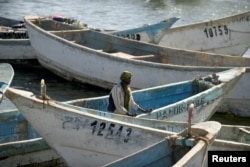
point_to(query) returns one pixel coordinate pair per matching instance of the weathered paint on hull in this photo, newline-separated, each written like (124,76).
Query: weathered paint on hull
(156,156)
(21,145)
(97,67)
(229,35)
(148,33)
(16,49)
(21,49)
(238,99)
(82,138)
(86,136)
(170,102)
(33,152)
(16,156)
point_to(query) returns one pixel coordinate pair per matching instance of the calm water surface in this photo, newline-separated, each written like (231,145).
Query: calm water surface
(111,14)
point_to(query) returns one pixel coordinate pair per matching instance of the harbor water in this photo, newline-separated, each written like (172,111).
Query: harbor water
(115,15)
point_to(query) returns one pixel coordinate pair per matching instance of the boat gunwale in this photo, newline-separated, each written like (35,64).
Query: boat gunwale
(232,16)
(130,61)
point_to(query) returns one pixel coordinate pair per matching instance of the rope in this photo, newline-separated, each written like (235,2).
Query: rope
(200,84)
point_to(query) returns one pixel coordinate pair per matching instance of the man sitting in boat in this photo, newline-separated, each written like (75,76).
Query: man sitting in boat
(121,99)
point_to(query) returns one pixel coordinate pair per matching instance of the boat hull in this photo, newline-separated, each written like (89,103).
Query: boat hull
(14,44)
(16,49)
(78,141)
(83,138)
(229,35)
(84,64)
(35,151)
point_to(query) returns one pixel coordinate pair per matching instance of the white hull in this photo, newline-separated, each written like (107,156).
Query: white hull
(83,144)
(84,139)
(200,114)
(75,62)
(229,35)
(43,157)
(16,49)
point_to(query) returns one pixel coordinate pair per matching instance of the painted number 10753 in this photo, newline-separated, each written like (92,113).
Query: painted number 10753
(215,31)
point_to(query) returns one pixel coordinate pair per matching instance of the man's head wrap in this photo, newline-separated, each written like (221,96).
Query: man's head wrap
(125,75)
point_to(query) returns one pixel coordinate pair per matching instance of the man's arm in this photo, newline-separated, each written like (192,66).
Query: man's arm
(137,107)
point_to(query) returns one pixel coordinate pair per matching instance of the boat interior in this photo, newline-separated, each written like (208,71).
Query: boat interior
(130,49)
(156,98)
(14,127)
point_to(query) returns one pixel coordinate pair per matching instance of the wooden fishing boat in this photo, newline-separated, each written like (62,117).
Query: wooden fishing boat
(96,58)
(21,145)
(15,45)
(33,152)
(148,156)
(148,33)
(16,48)
(90,140)
(170,102)
(229,35)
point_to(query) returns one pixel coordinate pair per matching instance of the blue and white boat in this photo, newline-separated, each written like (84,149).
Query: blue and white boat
(19,133)
(97,58)
(84,139)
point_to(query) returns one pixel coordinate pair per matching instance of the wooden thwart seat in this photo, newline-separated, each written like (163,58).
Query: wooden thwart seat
(129,56)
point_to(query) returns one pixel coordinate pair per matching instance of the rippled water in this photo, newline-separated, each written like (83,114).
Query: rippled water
(123,14)
(110,14)
(57,88)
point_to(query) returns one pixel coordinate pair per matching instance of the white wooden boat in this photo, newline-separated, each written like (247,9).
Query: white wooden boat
(98,59)
(229,35)
(170,102)
(85,139)
(15,45)
(14,42)
(21,145)
(16,48)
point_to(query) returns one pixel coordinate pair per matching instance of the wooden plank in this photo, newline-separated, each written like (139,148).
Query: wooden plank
(123,55)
